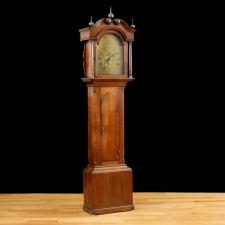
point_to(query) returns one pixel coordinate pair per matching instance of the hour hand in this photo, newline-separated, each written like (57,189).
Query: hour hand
(112,55)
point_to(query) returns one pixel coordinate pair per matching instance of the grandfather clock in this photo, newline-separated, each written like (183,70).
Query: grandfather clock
(107,63)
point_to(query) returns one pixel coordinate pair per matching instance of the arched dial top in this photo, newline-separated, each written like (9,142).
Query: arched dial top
(110,55)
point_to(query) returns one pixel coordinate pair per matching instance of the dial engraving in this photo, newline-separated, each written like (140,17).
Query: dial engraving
(110,55)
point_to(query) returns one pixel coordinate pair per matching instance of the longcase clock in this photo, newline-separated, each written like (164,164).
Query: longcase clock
(107,63)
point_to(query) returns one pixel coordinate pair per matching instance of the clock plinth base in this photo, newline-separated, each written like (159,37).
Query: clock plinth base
(107,189)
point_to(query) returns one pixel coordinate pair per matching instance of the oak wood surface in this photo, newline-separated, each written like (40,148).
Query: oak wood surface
(149,208)
(100,25)
(110,189)
(107,181)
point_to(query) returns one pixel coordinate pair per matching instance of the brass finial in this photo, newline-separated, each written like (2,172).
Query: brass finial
(110,15)
(91,24)
(132,25)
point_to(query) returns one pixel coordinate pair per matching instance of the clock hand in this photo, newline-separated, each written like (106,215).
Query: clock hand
(109,58)
(112,55)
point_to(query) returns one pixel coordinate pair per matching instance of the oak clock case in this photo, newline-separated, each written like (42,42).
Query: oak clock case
(107,63)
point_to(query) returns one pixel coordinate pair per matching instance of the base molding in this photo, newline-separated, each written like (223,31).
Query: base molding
(108,210)
(107,168)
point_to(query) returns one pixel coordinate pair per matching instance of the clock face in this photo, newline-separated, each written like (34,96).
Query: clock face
(110,55)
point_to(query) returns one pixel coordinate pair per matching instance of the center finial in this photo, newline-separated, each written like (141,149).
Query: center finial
(110,15)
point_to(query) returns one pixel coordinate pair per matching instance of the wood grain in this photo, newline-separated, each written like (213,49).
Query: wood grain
(100,25)
(107,181)
(149,208)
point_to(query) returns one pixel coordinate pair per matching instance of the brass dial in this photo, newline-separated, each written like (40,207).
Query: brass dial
(110,55)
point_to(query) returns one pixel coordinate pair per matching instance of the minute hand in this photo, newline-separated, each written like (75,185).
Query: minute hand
(111,55)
